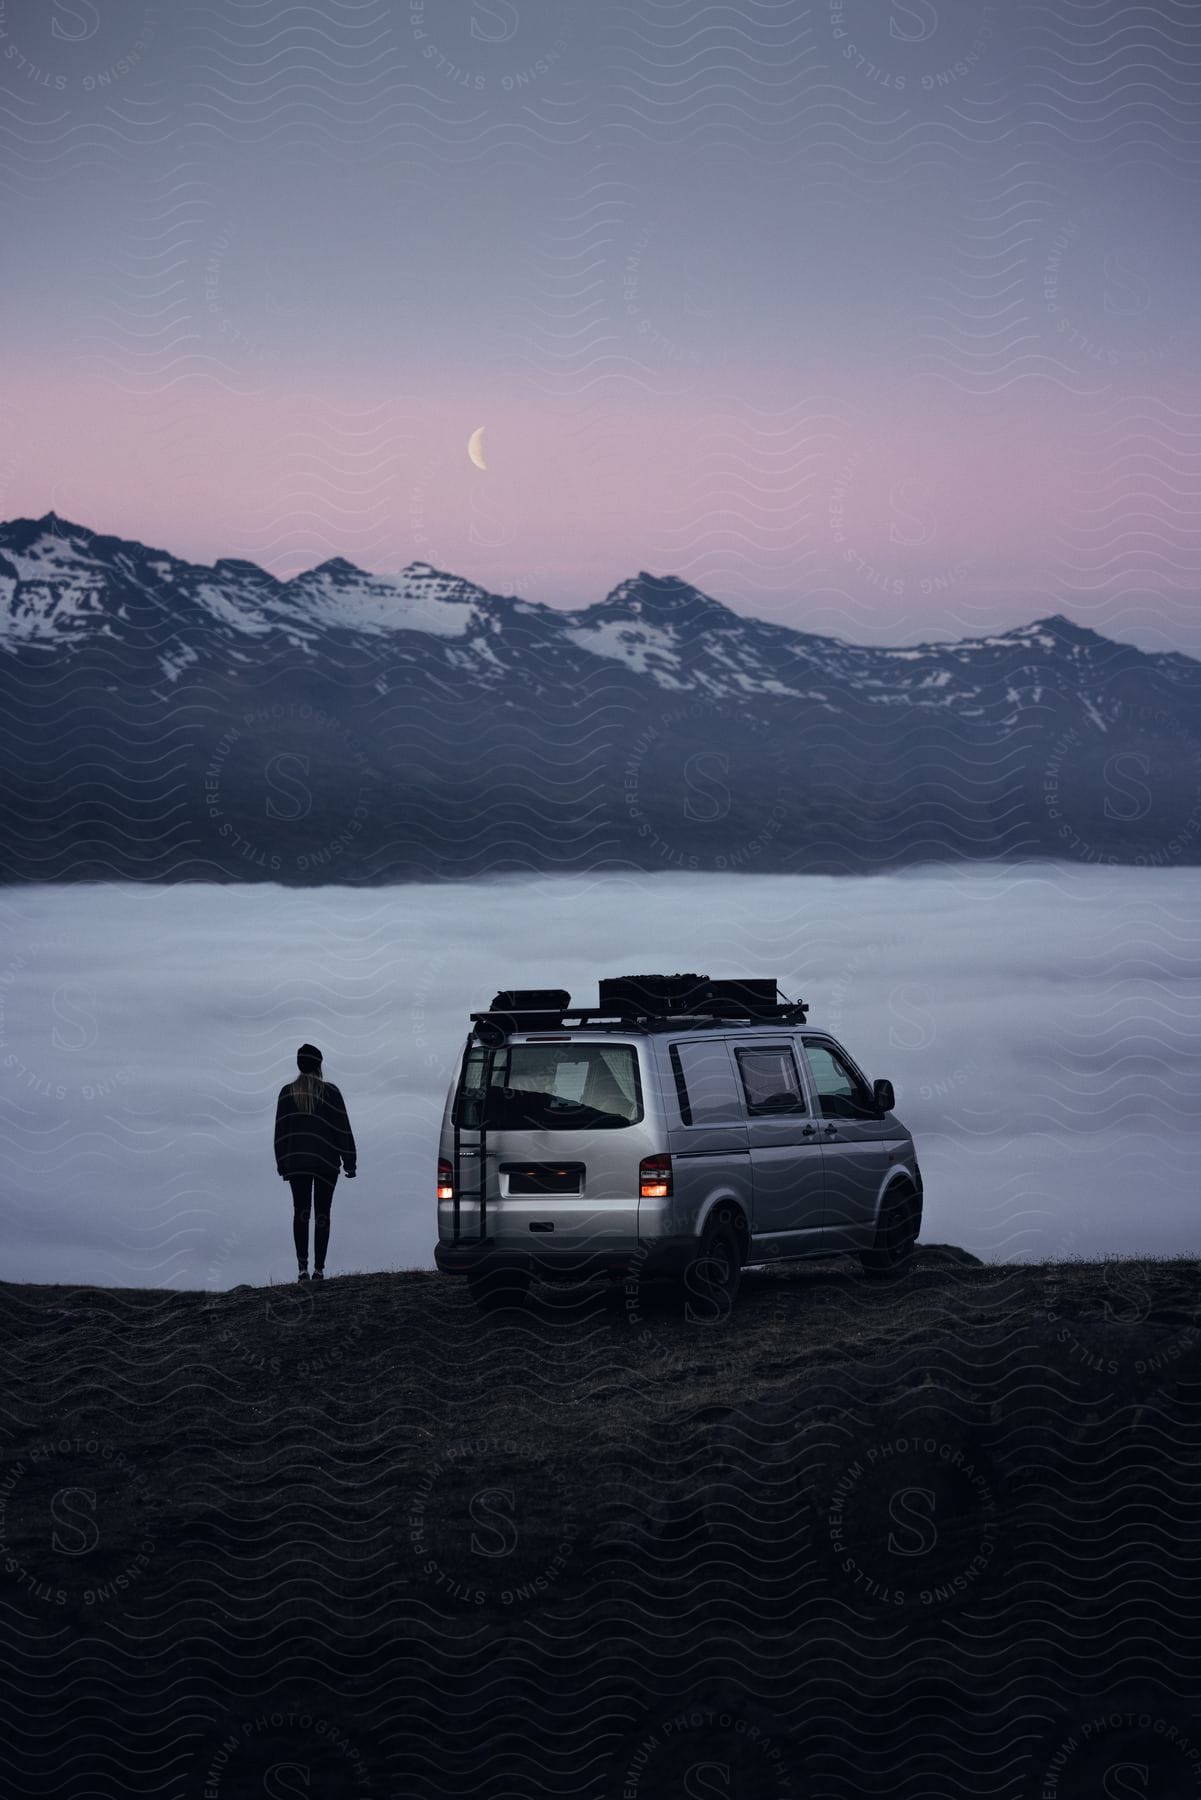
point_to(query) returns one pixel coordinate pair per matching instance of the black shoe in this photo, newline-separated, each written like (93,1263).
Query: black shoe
(303,1276)
(318,1274)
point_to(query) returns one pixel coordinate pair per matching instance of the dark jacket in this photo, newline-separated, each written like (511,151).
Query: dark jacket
(315,1143)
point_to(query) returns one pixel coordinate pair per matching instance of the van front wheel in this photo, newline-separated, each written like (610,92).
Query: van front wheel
(891,1256)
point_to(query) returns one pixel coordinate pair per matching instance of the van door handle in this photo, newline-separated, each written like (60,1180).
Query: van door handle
(831,1130)
(808,1130)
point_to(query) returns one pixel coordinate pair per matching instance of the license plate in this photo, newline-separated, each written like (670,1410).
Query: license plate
(544,1178)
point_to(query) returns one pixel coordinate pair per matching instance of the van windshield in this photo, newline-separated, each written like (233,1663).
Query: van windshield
(550,1087)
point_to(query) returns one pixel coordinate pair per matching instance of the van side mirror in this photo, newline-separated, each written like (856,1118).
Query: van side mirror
(883,1095)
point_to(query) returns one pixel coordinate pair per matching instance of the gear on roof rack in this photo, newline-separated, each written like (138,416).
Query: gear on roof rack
(645,996)
(640,1002)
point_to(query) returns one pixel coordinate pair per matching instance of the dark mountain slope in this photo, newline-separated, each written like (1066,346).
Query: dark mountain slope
(166,720)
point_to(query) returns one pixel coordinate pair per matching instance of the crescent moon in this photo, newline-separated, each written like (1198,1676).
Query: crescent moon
(475,448)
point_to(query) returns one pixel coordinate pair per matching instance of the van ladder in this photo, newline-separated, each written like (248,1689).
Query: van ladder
(482,1153)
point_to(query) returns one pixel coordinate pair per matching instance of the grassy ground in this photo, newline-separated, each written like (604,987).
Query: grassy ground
(356,1539)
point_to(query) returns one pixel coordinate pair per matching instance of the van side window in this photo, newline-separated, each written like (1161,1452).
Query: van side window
(705,1085)
(770,1081)
(841,1094)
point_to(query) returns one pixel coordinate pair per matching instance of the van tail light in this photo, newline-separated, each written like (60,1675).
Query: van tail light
(446,1179)
(654,1177)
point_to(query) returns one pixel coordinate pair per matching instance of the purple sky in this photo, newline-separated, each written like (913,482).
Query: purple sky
(872,317)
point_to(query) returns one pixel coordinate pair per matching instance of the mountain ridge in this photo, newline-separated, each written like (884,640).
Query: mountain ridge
(166,720)
(647,595)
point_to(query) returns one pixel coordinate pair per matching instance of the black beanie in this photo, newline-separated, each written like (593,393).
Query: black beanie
(308,1059)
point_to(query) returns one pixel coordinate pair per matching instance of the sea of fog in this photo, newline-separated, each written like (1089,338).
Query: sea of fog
(1041,1024)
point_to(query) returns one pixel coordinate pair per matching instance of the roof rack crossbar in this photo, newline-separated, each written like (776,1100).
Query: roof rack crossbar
(791,1012)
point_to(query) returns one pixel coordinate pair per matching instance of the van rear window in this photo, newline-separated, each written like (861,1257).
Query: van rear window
(550,1087)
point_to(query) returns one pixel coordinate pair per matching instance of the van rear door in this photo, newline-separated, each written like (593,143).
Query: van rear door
(565,1126)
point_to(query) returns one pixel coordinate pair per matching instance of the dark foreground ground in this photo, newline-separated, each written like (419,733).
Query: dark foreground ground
(937,1541)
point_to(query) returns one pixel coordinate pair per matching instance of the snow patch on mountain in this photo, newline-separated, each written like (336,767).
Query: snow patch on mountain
(48,553)
(42,606)
(231,611)
(646,649)
(174,666)
(420,598)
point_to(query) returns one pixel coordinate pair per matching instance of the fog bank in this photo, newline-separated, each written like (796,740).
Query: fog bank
(1042,1026)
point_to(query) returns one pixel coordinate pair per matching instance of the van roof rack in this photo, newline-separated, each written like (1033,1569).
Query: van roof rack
(641,1003)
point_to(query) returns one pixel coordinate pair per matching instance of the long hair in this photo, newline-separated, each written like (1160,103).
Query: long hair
(308,1091)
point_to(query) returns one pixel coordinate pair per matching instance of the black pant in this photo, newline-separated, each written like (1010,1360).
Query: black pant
(316,1192)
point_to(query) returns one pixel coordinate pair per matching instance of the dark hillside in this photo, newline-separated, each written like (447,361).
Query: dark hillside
(934,1541)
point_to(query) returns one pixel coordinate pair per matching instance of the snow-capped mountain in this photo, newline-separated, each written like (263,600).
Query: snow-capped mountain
(173,719)
(63,585)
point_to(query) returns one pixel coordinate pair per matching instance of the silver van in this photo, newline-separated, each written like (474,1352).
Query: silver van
(682,1124)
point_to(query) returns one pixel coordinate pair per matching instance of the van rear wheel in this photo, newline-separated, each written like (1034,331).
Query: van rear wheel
(499,1290)
(891,1256)
(711,1280)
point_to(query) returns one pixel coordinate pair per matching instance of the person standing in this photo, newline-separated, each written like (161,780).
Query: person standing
(313,1140)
